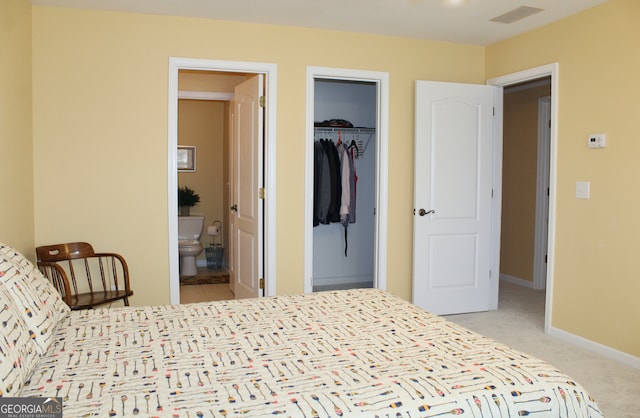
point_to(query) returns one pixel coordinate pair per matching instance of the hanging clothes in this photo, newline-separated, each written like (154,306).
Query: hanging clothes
(354,150)
(353,153)
(348,181)
(347,197)
(321,185)
(326,183)
(334,185)
(345,176)
(333,214)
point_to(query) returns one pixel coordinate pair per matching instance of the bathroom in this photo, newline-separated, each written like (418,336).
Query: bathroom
(203,123)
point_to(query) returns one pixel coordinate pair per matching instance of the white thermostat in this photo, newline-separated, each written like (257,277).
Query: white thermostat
(597,140)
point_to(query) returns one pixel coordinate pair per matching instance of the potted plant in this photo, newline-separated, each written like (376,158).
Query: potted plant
(187,198)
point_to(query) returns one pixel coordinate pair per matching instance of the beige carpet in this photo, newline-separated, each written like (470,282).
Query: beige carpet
(519,323)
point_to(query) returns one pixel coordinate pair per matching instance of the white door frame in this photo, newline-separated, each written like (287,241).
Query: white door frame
(270,72)
(519,77)
(542,199)
(382,156)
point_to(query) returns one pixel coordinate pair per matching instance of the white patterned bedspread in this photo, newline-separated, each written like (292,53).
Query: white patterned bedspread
(361,353)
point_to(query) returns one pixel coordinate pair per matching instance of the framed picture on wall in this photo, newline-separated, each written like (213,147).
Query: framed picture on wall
(186,158)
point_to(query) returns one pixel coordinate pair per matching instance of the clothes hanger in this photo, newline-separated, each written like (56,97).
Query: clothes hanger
(354,144)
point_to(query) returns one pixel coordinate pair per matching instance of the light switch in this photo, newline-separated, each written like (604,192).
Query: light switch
(582,189)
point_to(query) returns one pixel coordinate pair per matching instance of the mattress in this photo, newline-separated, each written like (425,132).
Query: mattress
(355,353)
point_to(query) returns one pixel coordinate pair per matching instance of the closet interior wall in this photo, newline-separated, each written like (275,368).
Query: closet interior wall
(355,102)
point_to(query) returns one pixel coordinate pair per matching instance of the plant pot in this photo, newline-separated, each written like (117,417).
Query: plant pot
(185,210)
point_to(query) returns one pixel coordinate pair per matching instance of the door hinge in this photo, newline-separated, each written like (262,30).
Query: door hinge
(492,193)
(261,101)
(261,193)
(494,111)
(261,283)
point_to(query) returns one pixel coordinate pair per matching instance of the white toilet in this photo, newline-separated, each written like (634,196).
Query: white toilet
(189,247)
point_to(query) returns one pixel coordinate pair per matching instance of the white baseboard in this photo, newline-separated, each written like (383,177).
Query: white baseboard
(581,342)
(597,348)
(328,281)
(516,280)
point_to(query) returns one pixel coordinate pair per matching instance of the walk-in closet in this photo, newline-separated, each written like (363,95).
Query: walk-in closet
(345,159)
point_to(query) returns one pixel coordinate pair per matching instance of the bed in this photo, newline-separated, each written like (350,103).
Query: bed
(351,353)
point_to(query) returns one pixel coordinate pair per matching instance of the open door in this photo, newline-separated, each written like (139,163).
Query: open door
(453,197)
(247,121)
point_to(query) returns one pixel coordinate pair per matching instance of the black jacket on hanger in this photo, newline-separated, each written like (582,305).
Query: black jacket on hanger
(333,214)
(321,184)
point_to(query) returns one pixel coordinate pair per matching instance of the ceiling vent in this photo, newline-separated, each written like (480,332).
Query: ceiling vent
(516,14)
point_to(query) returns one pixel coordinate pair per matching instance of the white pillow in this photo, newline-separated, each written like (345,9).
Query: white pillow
(39,302)
(18,353)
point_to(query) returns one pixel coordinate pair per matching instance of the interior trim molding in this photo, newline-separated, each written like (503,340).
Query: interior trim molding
(516,280)
(595,347)
(542,199)
(205,95)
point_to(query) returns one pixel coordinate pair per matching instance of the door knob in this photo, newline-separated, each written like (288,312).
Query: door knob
(234,208)
(423,212)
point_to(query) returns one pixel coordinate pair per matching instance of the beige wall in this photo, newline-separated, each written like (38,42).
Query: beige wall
(209,81)
(201,123)
(519,171)
(16,148)
(100,109)
(597,281)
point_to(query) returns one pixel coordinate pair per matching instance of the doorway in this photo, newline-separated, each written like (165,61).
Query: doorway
(206,103)
(267,156)
(546,71)
(347,270)
(203,127)
(525,184)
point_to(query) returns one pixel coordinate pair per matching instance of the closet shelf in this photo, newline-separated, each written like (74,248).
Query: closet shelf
(336,129)
(362,144)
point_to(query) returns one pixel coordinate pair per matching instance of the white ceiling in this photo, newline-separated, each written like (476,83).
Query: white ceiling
(425,19)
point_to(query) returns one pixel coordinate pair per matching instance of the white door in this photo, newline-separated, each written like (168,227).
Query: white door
(453,197)
(246,210)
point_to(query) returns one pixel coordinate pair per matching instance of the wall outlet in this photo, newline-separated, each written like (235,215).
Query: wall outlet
(597,141)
